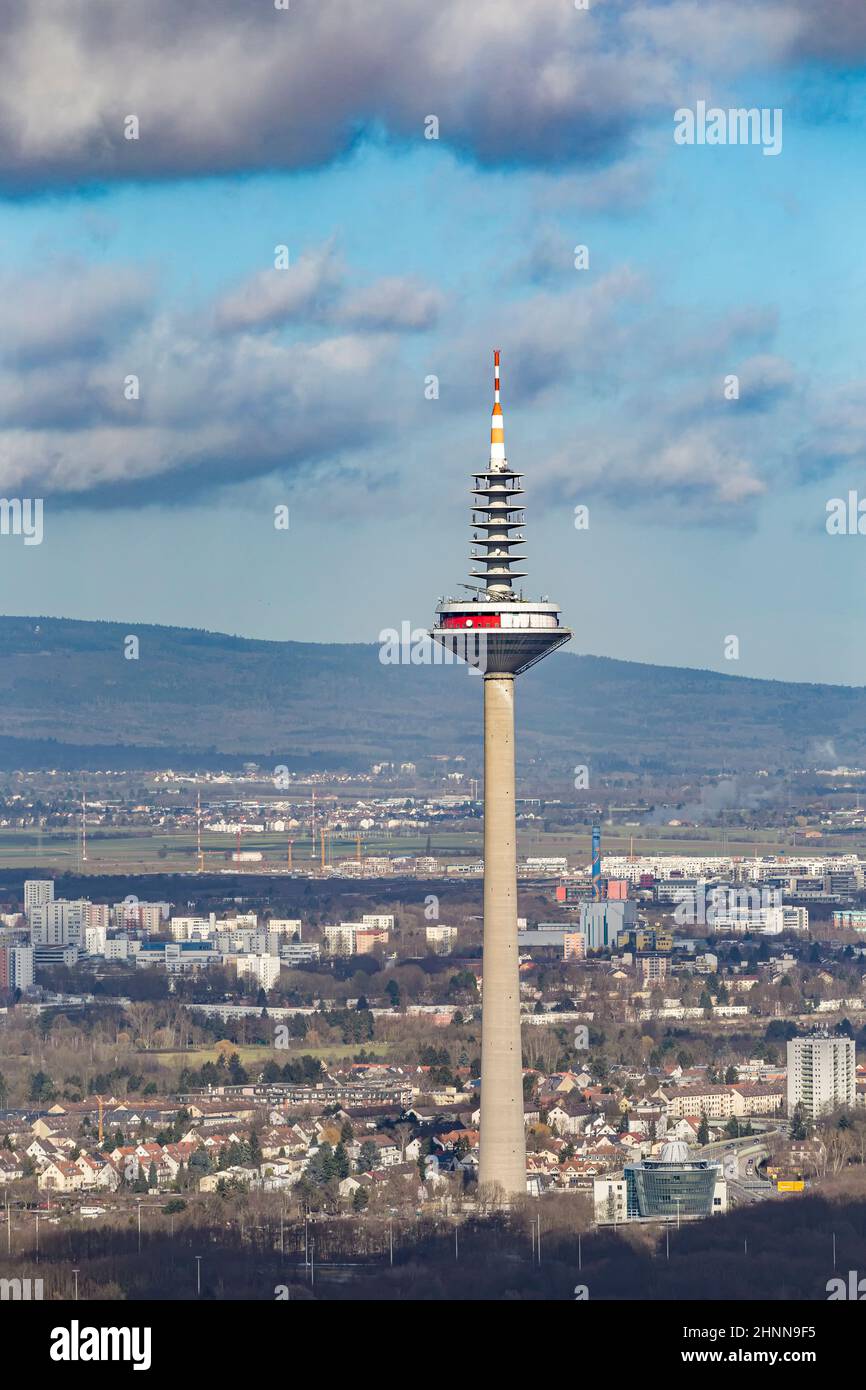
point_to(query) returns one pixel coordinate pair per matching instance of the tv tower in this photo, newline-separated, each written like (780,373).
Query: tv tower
(501,634)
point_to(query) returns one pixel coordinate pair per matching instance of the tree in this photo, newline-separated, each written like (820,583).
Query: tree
(255,1149)
(368,1157)
(152,1177)
(731,1076)
(361,1199)
(703,1130)
(798,1125)
(42,1088)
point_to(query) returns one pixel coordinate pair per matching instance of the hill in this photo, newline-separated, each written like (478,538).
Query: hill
(70,698)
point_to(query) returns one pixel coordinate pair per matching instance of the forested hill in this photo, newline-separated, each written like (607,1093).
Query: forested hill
(69,697)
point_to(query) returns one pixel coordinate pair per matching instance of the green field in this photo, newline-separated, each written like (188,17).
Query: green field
(150,851)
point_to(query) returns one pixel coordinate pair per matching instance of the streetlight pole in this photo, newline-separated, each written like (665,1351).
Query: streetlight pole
(198,1275)
(76,1273)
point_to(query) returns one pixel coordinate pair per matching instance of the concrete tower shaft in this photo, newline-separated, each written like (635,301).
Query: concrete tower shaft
(503,1138)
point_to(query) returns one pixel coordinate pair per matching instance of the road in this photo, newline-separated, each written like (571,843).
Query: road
(736,1156)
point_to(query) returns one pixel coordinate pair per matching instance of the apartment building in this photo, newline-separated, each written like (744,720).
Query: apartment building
(821,1074)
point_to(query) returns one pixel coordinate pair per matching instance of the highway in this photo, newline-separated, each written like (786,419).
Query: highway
(740,1159)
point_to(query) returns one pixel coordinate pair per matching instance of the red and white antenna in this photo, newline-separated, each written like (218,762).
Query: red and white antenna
(497,516)
(497,425)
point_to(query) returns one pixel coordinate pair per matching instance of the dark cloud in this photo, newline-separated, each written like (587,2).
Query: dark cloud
(224,85)
(836,35)
(212,408)
(615,393)
(73,310)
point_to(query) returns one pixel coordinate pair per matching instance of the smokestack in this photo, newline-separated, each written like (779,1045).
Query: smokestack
(596,863)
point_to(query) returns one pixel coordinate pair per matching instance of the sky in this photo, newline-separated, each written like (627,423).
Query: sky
(169,376)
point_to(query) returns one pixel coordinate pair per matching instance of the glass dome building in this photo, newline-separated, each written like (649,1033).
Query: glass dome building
(672,1186)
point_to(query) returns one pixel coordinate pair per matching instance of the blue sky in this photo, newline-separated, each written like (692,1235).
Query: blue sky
(411,257)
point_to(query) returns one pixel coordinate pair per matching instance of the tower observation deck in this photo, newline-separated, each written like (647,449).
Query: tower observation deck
(515,632)
(501,634)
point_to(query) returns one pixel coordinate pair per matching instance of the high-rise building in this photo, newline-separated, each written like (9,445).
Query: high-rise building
(340,938)
(36,892)
(382,921)
(821,1074)
(59,922)
(16,967)
(264,968)
(499,633)
(441,938)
